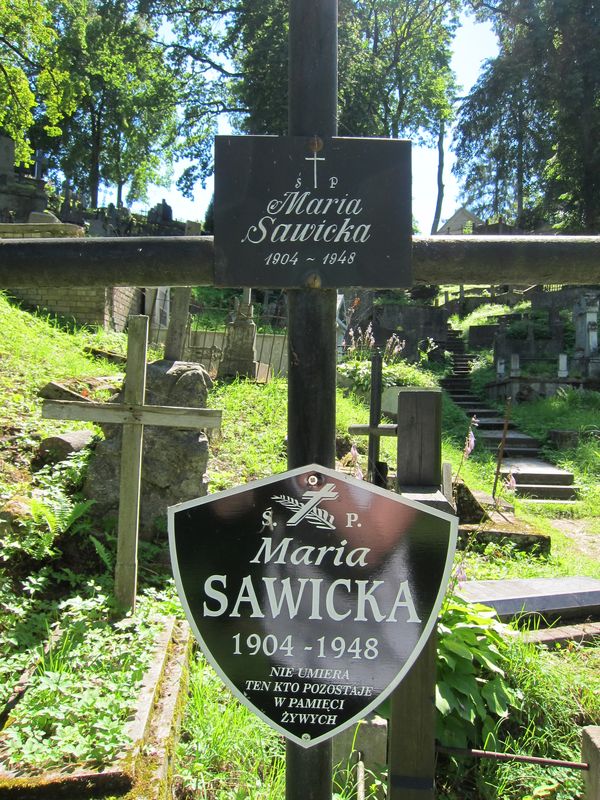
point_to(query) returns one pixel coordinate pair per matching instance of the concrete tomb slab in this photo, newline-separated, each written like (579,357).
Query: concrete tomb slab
(565,598)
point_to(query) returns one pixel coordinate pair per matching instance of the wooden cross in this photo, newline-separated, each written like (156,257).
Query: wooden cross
(133,414)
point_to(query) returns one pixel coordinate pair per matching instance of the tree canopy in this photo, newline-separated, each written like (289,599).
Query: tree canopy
(527,144)
(35,84)
(124,122)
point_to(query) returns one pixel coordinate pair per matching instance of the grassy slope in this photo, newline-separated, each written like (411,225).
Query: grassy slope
(33,352)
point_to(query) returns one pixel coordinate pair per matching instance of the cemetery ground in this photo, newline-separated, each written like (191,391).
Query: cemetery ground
(70,671)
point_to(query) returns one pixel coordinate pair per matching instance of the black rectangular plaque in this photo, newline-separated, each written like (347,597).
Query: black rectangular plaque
(298,212)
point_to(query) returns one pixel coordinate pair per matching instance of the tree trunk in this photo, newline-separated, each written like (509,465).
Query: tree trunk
(520,167)
(440,178)
(95,161)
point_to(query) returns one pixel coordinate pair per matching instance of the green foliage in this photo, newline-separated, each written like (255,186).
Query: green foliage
(124,123)
(536,320)
(53,511)
(560,690)
(35,349)
(83,688)
(251,443)
(482,372)
(485,314)
(525,127)
(401,373)
(394,70)
(473,696)
(225,750)
(501,141)
(34,82)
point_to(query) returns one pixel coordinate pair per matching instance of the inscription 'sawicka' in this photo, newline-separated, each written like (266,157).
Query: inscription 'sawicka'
(311,593)
(292,211)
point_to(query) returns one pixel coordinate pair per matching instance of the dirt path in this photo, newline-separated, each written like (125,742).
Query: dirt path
(585,533)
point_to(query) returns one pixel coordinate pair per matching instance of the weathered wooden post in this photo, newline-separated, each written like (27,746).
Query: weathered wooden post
(134,393)
(411,739)
(312,111)
(177,330)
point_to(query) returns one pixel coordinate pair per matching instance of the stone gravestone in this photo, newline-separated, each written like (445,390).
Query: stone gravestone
(585,317)
(239,355)
(7,158)
(174,460)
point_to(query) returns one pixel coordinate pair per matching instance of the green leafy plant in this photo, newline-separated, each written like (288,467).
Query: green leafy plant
(401,373)
(83,688)
(473,696)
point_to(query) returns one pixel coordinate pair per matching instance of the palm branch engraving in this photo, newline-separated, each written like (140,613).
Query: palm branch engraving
(317,516)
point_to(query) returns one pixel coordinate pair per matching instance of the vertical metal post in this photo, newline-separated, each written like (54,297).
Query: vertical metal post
(312,317)
(375,416)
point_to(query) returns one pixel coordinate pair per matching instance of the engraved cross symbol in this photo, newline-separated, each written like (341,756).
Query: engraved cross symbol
(313,500)
(314,158)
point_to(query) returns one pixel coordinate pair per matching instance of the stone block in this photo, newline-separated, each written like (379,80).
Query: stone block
(590,754)
(56,448)
(174,460)
(389,401)
(369,739)
(563,598)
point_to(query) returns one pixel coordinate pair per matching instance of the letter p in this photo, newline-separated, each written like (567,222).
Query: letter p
(351,518)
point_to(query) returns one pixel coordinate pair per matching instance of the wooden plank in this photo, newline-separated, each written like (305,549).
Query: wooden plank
(384,429)
(411,737)
(165,416)
(419,438)
(131,468)
(411,741)
(177,330)
(189,261)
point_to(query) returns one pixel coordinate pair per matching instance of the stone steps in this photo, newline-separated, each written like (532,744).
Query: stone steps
(520,452)
(536,471)
(494,424)
(537,481)
(492,439)
(542,491)
(481,412)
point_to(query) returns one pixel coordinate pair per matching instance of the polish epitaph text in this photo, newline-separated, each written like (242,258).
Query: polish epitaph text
(306,211)
(311,593)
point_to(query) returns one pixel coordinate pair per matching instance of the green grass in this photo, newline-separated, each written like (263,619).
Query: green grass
(485,314)
(559,691)
(225,750)
(33,351)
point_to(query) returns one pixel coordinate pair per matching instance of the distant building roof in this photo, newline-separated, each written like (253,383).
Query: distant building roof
(462,221)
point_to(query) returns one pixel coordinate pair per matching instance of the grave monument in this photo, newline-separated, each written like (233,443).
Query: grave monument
(20,194)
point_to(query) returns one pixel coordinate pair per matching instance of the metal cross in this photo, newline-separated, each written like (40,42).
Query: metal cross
(314,158)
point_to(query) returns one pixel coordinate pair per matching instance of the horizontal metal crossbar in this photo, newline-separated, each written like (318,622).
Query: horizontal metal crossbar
(189,261)
(545,762)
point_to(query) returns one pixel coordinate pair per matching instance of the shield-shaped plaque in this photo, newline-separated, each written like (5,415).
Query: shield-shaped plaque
(311,593)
